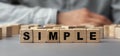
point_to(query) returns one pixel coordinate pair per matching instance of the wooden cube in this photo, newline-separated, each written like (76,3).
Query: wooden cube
(9,31)
(68,27)
(65,27)
(81,26)
(24,27)
(80,35)
(112,31)
(67,35)
(93,35)
(106,31)
(51,26)
(89,26)
(101,31)
(26,36)
(56,28)
(33,28)
(53,35)
(40,35)
(34,25)
(0,32)
(6,31)
(15,29)
(117,32)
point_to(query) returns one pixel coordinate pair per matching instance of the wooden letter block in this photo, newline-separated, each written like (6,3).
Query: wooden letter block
(53,35)
(117,32)
(101,32)
(93,35)
(112,31)
(26,36)
(67,35)
(106,31)
(7,31)
(15,29)
(40,35)
(0,33)
(80,35)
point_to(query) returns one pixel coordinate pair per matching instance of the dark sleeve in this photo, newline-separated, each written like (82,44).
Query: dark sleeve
(116,11)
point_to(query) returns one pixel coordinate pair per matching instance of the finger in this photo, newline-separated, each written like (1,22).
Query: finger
(101,18)
(99,22)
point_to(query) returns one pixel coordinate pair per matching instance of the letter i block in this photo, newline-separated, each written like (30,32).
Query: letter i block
(80,35)
(53,35)
(26,36)
(67,35)
(40,35)
(93,35)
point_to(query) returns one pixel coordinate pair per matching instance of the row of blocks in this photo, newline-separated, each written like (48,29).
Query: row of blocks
(112,31)
(9,30)
(108,31)
(60,34)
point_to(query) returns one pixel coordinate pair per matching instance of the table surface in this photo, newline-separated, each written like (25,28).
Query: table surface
(12,47)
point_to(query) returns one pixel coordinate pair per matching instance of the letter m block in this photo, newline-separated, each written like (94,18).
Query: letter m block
(53,35)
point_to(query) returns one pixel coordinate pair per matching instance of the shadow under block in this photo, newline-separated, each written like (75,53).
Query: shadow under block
(80,35)
(53,35)
(26,36)
(67,35)
(40,35)
(93,35)
(15,29)
(117,32)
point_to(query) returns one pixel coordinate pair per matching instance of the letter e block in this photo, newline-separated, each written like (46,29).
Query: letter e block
(93,35)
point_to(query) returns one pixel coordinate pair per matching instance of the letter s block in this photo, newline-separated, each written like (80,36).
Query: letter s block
(26,36)
(93,35)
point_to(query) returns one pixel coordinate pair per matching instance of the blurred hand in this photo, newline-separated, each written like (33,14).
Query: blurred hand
(81,17)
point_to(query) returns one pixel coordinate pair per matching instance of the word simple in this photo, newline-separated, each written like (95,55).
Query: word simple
(81,35)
